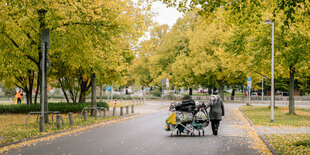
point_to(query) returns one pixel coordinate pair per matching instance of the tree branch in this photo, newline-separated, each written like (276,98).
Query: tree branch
(12,40)
(33,59)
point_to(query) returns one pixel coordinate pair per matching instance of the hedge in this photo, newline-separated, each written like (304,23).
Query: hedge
(61,107)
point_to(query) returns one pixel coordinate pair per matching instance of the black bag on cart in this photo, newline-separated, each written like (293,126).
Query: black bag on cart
(187,106)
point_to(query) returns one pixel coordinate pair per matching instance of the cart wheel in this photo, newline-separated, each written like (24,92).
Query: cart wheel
(203,132)
(177,132)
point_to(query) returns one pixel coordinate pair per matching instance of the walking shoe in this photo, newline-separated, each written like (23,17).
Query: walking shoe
(215,132)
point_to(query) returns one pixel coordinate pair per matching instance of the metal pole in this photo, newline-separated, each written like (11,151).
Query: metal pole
(111,93)
(262,89)
(250,96)
(272,75)
(42,88)
(162,93)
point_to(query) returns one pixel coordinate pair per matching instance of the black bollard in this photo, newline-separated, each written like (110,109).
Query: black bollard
(132,108)
(127,109)
(114,110)
(85,115)
(96,114)
(58,118)
(101,113)
(104,112)
(121,111)
(71,118)
(41,123)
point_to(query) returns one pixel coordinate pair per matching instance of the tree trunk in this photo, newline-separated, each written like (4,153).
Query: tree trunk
(100,92)
(127,90)
(85,85)
(222,92)
(233,94)
(291,97)
(214,89)
(83,90)
(210,90)
(190,91)
(63,90)
(93,93)
(38,87)
(30,82)
(70,89)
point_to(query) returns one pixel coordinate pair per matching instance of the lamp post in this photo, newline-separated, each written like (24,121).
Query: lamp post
(262,89)
(272,70)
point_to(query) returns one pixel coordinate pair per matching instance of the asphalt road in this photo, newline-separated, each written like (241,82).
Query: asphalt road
(146,135)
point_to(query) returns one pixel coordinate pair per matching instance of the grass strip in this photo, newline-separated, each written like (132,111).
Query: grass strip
(260,115)
(12,126)
(290,143)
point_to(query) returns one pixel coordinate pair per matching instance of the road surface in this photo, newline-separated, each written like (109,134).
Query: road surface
(145,135)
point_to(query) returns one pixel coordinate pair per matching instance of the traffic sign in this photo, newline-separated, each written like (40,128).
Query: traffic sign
(108,88)
(162,81)
(249,81)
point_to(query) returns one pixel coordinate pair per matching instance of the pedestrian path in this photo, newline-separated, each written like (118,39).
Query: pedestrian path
(261,130)
(236,126)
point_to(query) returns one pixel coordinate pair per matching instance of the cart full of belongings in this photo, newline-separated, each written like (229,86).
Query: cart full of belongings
(187,117)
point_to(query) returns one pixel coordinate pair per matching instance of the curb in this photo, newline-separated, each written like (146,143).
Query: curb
(272,150)
(63,131)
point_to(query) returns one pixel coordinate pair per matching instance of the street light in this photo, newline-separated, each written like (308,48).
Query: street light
(272,69)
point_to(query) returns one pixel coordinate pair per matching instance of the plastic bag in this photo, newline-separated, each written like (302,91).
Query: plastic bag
(171,119)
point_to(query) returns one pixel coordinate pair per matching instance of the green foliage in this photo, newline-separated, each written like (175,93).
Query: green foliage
(170,96)
(95,36)
(303,143)
(156,92)
(61,107)
(9,92)
(186,97)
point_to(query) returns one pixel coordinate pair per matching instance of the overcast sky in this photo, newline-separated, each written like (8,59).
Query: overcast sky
(165,15)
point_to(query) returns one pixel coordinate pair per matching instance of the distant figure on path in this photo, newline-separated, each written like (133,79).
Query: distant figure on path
(216,112)
(19,97)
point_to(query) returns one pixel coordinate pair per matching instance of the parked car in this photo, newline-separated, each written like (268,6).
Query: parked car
(256,94)
(282,93)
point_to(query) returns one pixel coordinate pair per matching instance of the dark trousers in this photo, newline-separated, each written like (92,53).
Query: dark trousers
(19,101)
(215,126)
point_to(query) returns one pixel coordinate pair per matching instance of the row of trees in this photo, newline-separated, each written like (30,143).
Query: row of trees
(220,43)
(89,38)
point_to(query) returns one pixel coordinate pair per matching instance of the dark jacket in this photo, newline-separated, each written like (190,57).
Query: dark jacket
(216,110)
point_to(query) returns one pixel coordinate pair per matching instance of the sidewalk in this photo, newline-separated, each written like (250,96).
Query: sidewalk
(148,107)
(261,130)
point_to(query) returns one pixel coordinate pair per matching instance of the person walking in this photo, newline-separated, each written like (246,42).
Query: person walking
(216,112)
(19,97)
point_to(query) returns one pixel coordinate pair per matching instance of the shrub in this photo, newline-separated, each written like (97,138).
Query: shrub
(103,104)
(186,97)
(61,107)
(170,96)
(156,92)
(302,143)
